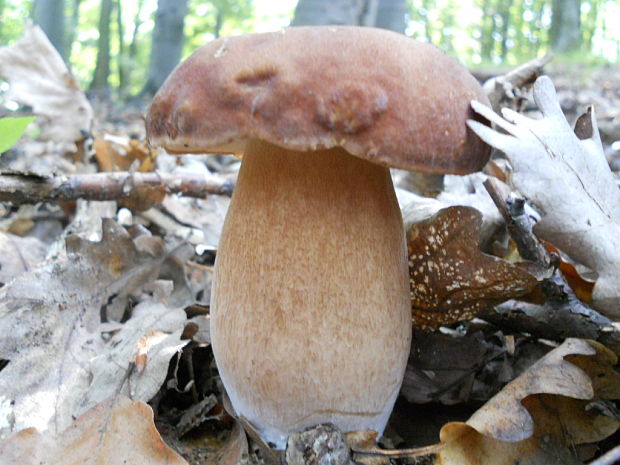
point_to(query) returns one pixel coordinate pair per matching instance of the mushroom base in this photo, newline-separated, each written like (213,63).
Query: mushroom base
(310,309)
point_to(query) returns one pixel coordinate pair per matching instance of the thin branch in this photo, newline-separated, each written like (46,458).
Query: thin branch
(25,188)
(563,314)
(399,453)
(518,223)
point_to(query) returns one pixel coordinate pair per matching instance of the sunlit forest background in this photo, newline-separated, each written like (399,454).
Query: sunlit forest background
(126,49)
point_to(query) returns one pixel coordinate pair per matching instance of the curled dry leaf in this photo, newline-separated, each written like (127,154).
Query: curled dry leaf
(236,448)
(581,286)
(564,172)
(115,432)
(542,416)
(451,279)
(38,77)
(114,153)
(53,337)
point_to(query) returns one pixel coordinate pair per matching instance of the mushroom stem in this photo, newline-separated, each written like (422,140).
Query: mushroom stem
(310,307)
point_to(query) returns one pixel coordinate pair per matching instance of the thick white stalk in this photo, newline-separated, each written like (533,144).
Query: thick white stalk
(310,311)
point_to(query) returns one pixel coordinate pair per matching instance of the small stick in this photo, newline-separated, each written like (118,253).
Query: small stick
(399,453)
(518,223)
(23,188)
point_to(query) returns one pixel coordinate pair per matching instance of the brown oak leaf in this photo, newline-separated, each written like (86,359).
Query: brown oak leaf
(450,278)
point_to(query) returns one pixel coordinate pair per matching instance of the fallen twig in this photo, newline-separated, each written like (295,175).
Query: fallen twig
(562,315)
(555,321)
(23,188)
(518,223)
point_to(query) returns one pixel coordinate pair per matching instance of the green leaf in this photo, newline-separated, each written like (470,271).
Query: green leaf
(11,129)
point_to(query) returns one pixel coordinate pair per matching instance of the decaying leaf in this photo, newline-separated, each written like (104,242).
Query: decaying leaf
(542,416)
(434,374)
(63,357)
(451,279)
(235,450)
(115,432)
(114,153)
(18,255)
(582,287)
(39,78)
(135,360)
(566,175)
(204,215)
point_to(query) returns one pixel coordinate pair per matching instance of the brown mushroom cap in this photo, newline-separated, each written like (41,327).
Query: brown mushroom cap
(379,95)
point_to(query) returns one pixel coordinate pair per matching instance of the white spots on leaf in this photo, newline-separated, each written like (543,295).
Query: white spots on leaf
(450,278)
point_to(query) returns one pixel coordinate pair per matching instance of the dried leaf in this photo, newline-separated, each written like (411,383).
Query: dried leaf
(567,176)
(542,416)
(205,215)
(18,255)
(434,374)
(466,446)
(115,432)
(582,287)
(115,153)
(451,279)
(153,334)
(235,449)
(550,375)
(39,78)
(51,321)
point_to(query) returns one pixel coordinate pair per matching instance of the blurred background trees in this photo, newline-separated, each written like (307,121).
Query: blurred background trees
(125,49)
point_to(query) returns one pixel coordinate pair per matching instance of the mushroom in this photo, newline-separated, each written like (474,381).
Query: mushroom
(310,310)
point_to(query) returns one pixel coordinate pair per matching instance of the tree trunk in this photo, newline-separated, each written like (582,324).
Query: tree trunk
(122,57)
(387,14)
(99,83)
(133,46)
(590,26)
(75,14)
(565,32)
(167,45)
(391,15)
(219,22)
(318,12)
(487,32)
(50,16)
(1,14)
(505,15)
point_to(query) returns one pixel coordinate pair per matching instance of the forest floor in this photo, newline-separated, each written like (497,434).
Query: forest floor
(184,391)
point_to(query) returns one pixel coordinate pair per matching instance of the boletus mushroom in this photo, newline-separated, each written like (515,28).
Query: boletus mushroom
(310,310)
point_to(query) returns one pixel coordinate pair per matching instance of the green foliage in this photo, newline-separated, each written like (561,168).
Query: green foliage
(11,130)
(483,32)
(479,32)
(209,19)
(12,15)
